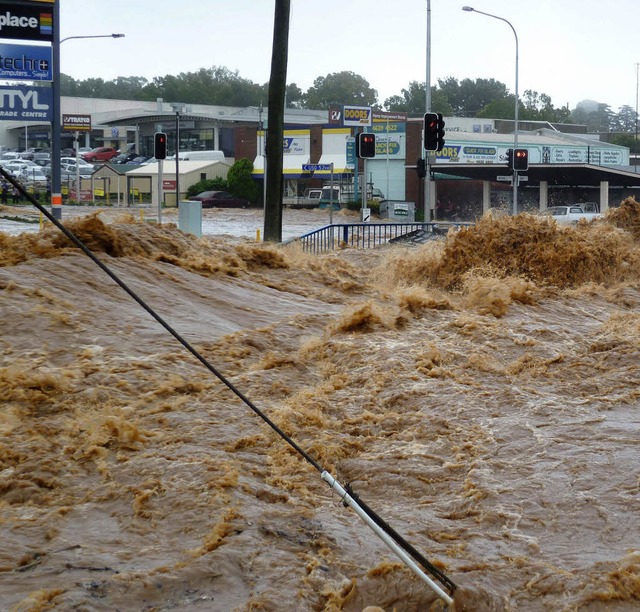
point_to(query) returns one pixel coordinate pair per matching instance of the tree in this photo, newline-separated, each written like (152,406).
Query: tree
(275,134)
(595,115)
(340,88)
(295,96)
(468,97)
(240,180)
(413,101)
(625,120)
(501,108)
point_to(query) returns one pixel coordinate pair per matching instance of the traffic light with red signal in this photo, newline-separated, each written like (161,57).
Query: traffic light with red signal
(433,132)
(521,159)
(160,145)
(366,145)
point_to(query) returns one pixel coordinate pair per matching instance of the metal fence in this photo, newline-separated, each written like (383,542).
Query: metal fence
(367,235)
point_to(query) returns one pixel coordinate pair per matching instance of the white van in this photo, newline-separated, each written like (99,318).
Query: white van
(200,155)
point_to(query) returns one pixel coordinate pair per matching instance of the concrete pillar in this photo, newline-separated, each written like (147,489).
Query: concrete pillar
(486,196)
(216,138)
(604,196)
(544,195)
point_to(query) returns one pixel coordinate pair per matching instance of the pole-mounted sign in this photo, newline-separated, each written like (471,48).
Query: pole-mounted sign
(26,21)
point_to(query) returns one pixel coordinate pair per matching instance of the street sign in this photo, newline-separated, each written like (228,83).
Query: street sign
(509,178)
(314,167)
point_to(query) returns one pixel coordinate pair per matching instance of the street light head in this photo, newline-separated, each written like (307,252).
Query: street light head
(468,8)
(117,36)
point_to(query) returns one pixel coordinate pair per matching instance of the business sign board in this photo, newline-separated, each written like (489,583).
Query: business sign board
(357,116)
(25,103)
(76,123)
(296,142)
(25,62)
(26,21)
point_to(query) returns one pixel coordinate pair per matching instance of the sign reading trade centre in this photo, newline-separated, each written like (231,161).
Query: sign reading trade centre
(357,116)
(26,21)
(25,62)
(24,103)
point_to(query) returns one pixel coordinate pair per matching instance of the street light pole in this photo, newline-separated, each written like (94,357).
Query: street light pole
(515,130)
(56,139)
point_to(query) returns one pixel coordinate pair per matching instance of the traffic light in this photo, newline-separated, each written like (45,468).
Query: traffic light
(160,145)
(510,159)
(421,167)
(521,159)
(433,132)
(366,145)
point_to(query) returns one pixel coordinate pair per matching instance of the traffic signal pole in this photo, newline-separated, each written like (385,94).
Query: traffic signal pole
(427,176)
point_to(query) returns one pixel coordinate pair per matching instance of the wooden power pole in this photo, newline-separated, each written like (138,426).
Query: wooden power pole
(275,134)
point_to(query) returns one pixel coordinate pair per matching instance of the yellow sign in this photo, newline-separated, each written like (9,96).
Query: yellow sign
(98,192)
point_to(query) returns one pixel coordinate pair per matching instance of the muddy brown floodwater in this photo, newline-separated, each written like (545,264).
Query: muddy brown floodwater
(480,394)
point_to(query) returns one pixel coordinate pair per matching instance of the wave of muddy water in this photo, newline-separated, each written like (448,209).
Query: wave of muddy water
(481,394)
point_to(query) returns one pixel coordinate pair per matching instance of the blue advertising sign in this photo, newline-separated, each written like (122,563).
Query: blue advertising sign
(25,62)
(25,103)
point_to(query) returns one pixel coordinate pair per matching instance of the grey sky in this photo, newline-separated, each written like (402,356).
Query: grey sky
(569,49)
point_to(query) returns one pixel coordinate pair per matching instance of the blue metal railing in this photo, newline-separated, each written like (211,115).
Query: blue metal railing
(366,235)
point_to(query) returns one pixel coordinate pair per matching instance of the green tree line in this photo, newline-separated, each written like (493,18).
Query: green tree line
(219,86)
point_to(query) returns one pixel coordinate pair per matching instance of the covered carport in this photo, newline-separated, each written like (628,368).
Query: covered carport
(542,179)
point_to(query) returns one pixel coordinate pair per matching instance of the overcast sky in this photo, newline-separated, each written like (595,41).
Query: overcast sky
(571,50)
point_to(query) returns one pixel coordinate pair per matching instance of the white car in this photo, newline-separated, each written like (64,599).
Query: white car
(87,170)
(72,162)
(32,175)
(16,166)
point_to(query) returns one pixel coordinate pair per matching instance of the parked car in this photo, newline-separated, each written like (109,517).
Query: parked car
(33,175)
(16,166)
(82,170)
(41,156)
(140,159)
(9,156)
(100,154)
(124,158)
(220,199)
(72,161)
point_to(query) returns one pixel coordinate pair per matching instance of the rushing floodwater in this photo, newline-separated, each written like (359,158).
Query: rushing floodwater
(480,394)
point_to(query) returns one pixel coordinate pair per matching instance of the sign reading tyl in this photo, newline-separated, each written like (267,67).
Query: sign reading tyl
(24,103)
(357,116)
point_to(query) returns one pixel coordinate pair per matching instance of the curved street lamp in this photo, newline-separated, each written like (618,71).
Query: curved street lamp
(94,36)
(56,128)
(470,9)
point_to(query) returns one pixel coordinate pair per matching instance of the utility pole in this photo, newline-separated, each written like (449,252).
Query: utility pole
(277,92)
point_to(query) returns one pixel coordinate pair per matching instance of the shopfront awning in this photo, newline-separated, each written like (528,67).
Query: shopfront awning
(291,166)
